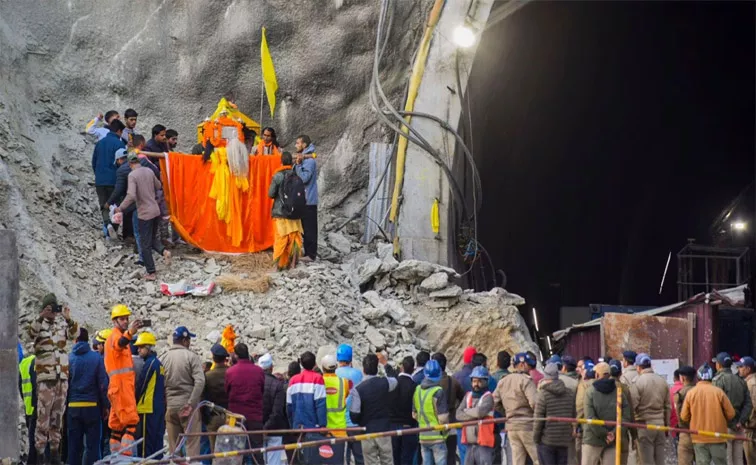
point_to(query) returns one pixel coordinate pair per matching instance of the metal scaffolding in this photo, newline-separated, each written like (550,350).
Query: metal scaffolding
(702,268)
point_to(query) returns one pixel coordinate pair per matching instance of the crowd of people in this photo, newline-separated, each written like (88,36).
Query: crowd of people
(115,391)
(129,186)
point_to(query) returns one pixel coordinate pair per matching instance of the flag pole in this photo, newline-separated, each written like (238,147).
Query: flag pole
(262,102)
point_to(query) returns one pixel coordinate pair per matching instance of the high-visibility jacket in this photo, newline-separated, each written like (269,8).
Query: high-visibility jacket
(426,413)
(337,391)
(120,369)
(486,436)
(26,384)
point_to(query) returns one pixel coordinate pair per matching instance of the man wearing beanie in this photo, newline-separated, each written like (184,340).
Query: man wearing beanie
(215,391)
(274,409)
(685,453)
(554,399)
(51,332)
(707,408)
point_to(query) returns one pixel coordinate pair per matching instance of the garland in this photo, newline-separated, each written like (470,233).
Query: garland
(213,130)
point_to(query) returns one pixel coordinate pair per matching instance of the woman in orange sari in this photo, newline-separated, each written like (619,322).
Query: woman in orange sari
(268,143)
(287,246)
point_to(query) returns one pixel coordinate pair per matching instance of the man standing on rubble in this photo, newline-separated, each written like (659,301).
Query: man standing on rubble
(307,170)
(651,405)
(737,392)
(346,370)
(51,331)
(515,397)
(94,128)
(122,383)
(142,189)
(184,383)
(104,167)
(130,120)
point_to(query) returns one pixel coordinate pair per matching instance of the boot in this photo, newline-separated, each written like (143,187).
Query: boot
(54,456)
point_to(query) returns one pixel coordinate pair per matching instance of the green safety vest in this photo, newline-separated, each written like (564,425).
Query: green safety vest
(336,393)
(26,385)
(426,413)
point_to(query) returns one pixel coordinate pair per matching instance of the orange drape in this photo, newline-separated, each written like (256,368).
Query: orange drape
(187,182)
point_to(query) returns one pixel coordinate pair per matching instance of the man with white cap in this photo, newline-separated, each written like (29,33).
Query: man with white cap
(651,404)
(274,409)
(337,391)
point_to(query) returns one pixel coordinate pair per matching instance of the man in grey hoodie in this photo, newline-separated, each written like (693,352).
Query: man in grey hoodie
(554,399)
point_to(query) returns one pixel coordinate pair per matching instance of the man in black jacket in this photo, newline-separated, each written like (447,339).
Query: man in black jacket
(274,409)
(371,408)
(401,414)
(119,192)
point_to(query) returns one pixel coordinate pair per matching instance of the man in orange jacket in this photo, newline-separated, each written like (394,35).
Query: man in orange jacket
(121,390)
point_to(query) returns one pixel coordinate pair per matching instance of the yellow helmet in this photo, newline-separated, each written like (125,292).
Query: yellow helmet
(146,339)
(119,311)
(103,334)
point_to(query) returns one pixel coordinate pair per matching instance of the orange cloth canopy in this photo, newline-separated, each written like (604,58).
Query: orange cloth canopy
(187,182)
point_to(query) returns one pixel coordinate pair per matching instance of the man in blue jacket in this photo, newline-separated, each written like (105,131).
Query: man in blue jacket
(104,167)
(150,394)
(307,170)
(87,400)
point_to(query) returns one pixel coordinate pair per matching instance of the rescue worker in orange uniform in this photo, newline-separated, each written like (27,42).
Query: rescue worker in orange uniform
(121,390)
(478,405)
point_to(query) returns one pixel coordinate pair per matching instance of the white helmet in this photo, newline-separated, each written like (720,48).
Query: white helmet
(328,362)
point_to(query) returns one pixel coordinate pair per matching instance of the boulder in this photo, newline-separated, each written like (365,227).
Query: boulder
(367,271)
(449,292)
(434,282)
(412,270)
(260,331)
(375,338)
(339,242)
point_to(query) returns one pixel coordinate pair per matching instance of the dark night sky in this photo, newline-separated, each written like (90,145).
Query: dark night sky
(606,134)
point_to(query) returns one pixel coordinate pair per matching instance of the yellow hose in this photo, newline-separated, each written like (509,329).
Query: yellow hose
(435,221)
(418,69)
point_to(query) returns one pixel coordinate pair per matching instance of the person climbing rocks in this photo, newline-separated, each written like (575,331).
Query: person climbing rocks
(51,331)
(142,191)
(268,143)
(119,366)
(94,128)
(129,131)
(104,168)
(307,169)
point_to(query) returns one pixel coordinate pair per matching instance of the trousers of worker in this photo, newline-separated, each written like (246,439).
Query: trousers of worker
(51,403)
(152,430)
(123,419)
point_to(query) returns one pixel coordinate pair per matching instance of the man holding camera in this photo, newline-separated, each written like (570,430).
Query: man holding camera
(51,332)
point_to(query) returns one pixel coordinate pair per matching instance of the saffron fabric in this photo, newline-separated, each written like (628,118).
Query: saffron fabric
(288,243)
(246,225)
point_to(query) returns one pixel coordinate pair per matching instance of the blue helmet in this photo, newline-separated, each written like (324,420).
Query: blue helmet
(344,353)
(432,370)
(479,372)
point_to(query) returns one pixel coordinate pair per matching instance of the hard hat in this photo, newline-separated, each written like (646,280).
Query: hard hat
(119,311)
(103,334)
(328,362)
(146,339)
(344,353)
(432,370)
(479,372)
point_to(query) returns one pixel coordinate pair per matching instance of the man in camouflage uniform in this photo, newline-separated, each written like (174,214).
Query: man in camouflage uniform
(51,332)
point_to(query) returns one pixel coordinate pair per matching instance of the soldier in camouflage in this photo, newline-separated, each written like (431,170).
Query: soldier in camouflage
(51,332)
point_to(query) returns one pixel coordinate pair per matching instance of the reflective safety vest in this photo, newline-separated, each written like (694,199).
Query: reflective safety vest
(486,431)
(426,413)
(26,385)
(337,391)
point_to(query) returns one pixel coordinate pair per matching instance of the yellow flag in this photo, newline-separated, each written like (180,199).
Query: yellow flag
(268,74)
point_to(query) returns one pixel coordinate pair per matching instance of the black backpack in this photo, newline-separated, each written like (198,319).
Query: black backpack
(293,196)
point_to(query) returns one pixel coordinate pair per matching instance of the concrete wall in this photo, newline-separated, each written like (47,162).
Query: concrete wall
(9,396)
(424,180)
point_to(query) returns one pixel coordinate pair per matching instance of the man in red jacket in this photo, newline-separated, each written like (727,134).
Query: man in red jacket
(245,383)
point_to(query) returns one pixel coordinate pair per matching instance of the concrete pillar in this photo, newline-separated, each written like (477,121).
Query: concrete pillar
(424,180)
(9,396)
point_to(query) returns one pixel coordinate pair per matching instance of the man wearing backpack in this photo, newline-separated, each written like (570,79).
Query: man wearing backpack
(288,194)
(307,170)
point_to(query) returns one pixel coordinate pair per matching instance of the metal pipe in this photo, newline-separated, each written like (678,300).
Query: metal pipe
(618,447)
